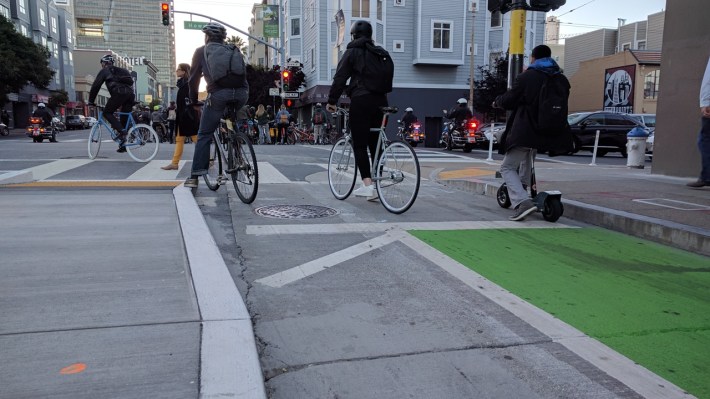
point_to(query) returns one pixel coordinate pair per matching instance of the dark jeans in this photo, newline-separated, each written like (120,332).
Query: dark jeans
(704,146)
(121,99)
(365,114)
(215,104)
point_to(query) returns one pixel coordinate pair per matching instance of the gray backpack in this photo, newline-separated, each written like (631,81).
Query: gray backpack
(225,64)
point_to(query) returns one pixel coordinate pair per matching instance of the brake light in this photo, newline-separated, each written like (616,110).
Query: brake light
(473,125)
(35,120)
(416,125)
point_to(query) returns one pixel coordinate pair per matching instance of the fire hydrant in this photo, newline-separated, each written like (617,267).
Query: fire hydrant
(636,147)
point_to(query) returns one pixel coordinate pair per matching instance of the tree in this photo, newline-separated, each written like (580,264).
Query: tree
(493,83)
(260,80)
(239,42)
(22,61)
(57,99)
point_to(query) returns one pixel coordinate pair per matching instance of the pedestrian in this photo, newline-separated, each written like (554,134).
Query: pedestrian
(318,120)
(120,85)
(368,93)
(187,120)
(283,120)
(262,121)
(704,136)
(232,88)
(172,117)
(522,139)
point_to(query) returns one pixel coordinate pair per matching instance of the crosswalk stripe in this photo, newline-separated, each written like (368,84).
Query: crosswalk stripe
(152,171)
(44,171)
(268,174)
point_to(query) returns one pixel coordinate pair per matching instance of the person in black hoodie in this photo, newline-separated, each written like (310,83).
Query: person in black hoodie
(364,105)
(187,118)
(520,141)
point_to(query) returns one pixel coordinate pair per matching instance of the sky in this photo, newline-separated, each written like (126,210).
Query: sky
(577,16)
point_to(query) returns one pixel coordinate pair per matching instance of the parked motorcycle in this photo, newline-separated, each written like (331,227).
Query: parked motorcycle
(463,136)
(4,130)
(59,124)
(413,136)
(38,132)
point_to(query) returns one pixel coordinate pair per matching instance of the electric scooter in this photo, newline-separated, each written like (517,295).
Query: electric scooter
(547,202)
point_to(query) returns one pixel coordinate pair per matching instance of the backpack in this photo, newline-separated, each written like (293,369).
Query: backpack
(283,119)
(318,118)
(378,70)
(552,106)
(225,64)
(120,76)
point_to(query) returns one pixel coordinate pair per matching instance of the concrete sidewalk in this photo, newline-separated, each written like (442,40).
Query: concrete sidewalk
(631,201)
(99,299)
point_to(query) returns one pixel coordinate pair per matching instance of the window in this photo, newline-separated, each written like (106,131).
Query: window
(44,41)
(496,19)
(618,120)
(24,31)
(441,35)
(295,27)
(625,46)
(21,3)
(42,18)
(4,11)
(313,58)
(71,59)
(379,10)
(68,34)
(56,50)
(398,46)
(54,24)
(399,3)
(651,85)
(641,45)
(361,8)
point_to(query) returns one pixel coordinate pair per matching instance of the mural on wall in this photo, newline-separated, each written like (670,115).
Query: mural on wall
(619,89)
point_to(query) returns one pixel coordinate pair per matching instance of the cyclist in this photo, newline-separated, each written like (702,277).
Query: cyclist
(120,85)
(44,113)
(365,105)
(235,89)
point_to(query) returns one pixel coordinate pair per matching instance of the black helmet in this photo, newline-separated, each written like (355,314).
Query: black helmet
(361,29)
(107,59)
(215,31)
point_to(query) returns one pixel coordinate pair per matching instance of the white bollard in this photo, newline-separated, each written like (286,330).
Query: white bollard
(594,154)
(490,144)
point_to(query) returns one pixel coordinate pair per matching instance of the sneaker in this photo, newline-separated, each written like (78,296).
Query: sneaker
(524,209)
(698,183)
(169,167)
(191,182)
(121,149)
(365,191)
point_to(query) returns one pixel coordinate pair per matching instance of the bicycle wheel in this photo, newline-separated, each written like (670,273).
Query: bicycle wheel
(243,168)
(291,138)
(398,177)
(142,143)
(95,140)
(342,170)
(214,170)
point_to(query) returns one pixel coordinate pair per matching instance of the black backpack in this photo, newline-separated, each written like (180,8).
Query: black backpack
(120,76)
(378,70)
(551,115)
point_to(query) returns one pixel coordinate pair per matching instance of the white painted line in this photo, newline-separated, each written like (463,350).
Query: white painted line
(268,174)
(348,228)
(636,377)
(44,171)
(309,268)
(682,206)
(152,171)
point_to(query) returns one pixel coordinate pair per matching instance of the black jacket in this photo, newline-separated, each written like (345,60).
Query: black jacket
(186,120)
(113,86)
(408,119)
(522,100)
(45,114)
(460,114)
(349,66)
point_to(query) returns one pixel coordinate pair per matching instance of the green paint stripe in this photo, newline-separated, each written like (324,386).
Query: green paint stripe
(647,301)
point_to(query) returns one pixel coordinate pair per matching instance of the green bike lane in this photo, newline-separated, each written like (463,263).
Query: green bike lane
(649,302)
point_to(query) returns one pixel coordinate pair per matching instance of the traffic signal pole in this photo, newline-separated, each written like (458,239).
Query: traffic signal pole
(517,40)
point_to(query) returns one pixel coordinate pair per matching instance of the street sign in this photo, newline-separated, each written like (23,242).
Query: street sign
(293,64)
(197,25)
(291,94)
(274,92)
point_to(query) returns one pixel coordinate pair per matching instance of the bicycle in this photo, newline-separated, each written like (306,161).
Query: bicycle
(235,147)
(297,135)
(141,140)
(396,176)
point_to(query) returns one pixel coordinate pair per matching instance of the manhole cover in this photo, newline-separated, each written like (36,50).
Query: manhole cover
(295,211)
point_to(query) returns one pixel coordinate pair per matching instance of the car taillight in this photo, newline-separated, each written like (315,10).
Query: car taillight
(416,126)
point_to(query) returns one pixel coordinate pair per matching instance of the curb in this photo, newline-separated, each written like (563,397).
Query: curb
(229,362)
(688,238)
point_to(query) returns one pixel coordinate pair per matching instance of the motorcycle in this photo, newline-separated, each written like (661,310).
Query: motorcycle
(38,132)
(413,135)
(4,130)
(461,136)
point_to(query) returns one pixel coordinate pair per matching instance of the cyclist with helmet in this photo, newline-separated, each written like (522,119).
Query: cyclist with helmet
(460,113)
(43,112)
(217,98)
(120,85)
(365,106)
(408,119)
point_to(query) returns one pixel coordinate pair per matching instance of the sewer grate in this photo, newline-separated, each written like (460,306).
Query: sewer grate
(295,211)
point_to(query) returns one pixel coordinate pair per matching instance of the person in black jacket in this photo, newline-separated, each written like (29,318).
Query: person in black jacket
(44,113)
(187,120)
(520,142)
(408,119)
(461,113)
(364,105)
(120,85)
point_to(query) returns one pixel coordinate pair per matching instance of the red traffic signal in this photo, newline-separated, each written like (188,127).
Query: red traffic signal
(165,10)
(289,103)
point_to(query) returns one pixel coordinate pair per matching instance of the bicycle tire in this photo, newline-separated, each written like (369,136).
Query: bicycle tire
(398,177)
(214,168)
(243,168)
(94,142)
(342,170)
(142,143)
(291,138)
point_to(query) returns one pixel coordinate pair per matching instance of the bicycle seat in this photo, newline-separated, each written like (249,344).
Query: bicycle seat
(389,110)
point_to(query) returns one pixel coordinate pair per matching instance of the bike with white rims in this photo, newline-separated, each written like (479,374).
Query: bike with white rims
(142,142)
(396,172)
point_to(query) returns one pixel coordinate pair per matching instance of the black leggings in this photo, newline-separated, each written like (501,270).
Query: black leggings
(365,114)
(121,99)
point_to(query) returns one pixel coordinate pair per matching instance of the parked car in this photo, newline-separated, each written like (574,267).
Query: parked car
(76,122)
(91,121)
(485,134)
(612,128)
(649,120)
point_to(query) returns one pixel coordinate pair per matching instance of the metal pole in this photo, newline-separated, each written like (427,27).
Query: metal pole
(517,41)
(473,20)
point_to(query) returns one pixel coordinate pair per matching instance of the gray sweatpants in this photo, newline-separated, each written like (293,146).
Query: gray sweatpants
(516,170)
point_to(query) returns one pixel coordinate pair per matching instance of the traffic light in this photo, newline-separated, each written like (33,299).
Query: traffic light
(165,9)
(289,103)
(531,5)
(285,75)
(545,5)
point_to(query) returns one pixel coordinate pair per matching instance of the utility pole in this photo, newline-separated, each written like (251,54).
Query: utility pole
(472,70)
(517,40)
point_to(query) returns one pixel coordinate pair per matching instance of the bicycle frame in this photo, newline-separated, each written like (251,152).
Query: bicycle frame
(130,123)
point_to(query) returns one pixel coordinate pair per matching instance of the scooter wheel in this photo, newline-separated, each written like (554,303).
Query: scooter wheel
(552,209)
(502,196)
